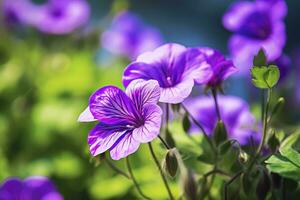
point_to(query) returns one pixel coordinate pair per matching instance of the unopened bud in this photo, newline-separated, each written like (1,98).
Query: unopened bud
(190,186)
(243,157)
(170,164)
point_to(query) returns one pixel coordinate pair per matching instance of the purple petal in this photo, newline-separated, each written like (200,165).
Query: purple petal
(125,146)
(86,116)
(168,54)
(234,17)
(129,36)
(11,189)
(151,127)
(197,67)
(143,92)
(38,187)
(243,49)
(235,113)
(177,93)
(111,105)
(103,136)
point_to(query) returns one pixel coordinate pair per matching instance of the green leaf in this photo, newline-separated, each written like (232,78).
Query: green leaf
(260,59)
(265,77)
(220,133)
(287,165)
(290,140)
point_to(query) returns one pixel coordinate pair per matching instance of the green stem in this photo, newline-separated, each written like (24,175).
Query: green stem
(265,123)
(116,169)
(214,94)
(161,171)
(134,180)
(265,128)
(164,142)
(201,128)
(229,183)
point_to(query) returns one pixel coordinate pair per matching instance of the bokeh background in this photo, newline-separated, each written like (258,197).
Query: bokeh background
(46,80)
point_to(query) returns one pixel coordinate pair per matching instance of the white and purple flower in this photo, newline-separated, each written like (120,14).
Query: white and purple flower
(235,113)
(175,67)
(32,188)
(128,36)
(258,24)
(126,118)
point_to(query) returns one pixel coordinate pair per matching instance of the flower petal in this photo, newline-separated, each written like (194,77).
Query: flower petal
(11,188)
(151,128)
(165,64)
(111,105)
(86,116)
(234,17)
(143,92)
(102,137)
(177,93)
(125,146)
(39,187)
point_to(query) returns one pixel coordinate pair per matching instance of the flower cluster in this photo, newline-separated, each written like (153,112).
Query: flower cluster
(258,24)
(32,188)
(53,17)
(167,75)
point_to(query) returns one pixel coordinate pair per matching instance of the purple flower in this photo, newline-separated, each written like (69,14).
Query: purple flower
(62,16)
(221,68)
(255,25)
(128,36)
(235,113)
(32,188)
(126,118)
(175,67)
(54,16)
(17,12)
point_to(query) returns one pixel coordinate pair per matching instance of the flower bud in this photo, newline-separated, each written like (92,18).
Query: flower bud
(170,164)
(190,186)
(243,157)
(186,124)
(220,133)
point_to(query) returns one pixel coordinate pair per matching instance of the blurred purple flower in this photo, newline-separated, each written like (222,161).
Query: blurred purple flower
(221,68)
(235,113)
(62,16)
(255,25)
(126,119)
(175,67)
(54,16)
(129,36)
(17,11)
(32,188)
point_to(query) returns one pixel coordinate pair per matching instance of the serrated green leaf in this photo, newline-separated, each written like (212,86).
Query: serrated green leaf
(265,77)
(272,75)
